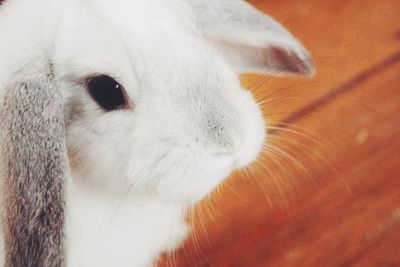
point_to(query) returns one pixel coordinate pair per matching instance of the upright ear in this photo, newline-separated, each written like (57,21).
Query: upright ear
(250,40)
(33,171)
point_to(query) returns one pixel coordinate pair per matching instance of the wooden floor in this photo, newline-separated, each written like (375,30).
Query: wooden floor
(326,191)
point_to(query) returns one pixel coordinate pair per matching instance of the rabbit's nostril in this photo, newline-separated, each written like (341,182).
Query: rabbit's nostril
(229,148)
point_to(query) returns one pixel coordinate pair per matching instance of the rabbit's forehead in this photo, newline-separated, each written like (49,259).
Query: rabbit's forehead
(158,47)
(139,11)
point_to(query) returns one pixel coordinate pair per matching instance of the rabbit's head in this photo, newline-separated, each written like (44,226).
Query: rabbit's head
(153,103)
(153,100)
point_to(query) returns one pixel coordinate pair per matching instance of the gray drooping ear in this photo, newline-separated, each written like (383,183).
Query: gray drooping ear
(33,171)
(250,40)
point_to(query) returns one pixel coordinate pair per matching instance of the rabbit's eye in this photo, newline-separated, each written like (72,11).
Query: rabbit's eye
(107,92)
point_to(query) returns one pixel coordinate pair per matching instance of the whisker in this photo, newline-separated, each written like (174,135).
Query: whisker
(264,189)
(280,166)
(277,183)
(283,89)
(296,162)
(285,125)
(209,208)
(202,221)
(266,78)
(277,129)
(321,157)
(267,101)
(195,238)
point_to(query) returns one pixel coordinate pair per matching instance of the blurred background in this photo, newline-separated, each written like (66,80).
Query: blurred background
(326,189)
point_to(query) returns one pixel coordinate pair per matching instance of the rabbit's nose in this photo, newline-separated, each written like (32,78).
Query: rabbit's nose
(228,145)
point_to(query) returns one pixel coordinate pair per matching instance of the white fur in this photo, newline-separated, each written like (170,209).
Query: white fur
(134,172)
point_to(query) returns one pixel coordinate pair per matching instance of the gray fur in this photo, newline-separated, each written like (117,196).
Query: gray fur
(33,172)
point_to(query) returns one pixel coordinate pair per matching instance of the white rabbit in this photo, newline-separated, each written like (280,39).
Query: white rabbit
(129,112)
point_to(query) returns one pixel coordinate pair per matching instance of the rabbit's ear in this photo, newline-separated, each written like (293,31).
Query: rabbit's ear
(250,40)
(33,171)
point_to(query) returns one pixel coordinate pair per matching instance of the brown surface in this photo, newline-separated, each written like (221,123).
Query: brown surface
(328,194)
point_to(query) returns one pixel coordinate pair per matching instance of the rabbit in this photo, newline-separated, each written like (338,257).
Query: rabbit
(117,116)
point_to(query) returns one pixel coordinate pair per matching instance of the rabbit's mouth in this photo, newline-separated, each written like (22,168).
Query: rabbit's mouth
(201,174)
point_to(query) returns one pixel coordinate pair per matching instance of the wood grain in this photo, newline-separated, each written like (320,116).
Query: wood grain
(326,190)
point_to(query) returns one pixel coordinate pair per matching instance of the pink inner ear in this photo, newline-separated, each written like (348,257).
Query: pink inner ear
(286,61)
(267,59)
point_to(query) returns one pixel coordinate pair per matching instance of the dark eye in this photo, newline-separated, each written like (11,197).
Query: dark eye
(107,92)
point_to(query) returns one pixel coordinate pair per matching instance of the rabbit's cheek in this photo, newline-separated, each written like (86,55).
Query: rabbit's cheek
(253,137)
